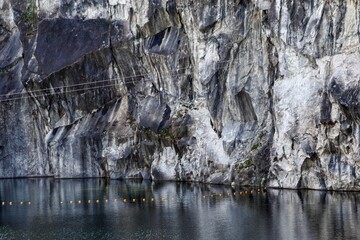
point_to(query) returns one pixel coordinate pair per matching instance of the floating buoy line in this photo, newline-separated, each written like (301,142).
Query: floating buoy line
(130,200)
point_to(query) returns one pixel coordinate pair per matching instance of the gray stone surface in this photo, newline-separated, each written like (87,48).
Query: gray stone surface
(210,91)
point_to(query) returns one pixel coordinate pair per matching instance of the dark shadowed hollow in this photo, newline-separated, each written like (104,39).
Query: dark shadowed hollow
(95,209)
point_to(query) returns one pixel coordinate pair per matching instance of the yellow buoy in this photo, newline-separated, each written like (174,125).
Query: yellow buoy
(163,199)
(212,195)
(89,201)
(144,200)
(234,193)
(29,203)
(134,200)
(204,196)
(220,195)
(10,203)
(3,203)
(245,192)
(115,200)
(79,202)
(172,199)
(61,202)
(71,202)
(97,201)
(241,193)
(106,200)
(21,203)
(152,199)
(258,189)
(124,200)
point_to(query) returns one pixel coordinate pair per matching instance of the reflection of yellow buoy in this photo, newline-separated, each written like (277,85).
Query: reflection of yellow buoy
(124,200)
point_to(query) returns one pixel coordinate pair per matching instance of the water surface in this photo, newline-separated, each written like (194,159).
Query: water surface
(95,209)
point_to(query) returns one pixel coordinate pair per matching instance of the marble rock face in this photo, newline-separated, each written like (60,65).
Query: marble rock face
(211,91)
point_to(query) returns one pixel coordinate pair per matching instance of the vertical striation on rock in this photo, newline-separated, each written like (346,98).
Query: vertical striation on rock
(209,91)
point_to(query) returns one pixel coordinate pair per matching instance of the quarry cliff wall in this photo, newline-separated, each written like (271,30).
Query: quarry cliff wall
(211,91)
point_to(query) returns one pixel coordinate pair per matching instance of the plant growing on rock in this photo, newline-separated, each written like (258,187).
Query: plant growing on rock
(30,16)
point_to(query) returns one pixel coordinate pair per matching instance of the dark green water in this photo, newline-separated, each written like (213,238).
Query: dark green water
(179,211)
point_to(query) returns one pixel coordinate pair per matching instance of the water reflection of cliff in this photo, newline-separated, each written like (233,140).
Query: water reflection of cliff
(179,211)
(316,214)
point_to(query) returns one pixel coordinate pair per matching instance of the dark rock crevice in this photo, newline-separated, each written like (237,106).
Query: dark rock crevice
(245,106)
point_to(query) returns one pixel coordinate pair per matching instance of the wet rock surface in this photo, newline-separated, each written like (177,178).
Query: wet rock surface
(218,92)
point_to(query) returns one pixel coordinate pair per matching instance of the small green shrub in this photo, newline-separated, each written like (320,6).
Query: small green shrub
(247,164)
(255,147)
(30,15)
